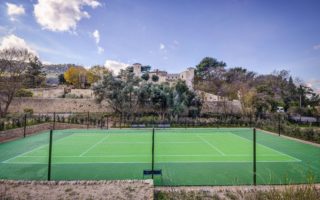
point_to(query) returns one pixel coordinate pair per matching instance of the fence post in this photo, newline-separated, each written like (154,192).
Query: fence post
(101,122)
(54,121)
(88,120)
(50,154)
(25,125)
(279,124)
(254,158)
(152,164)
(107,122)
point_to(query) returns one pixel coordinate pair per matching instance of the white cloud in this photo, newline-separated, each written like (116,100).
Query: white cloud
(47,62)
(162,46)
(12,41)
(62,15)
(96,36)
(115,66)
(100,50)
(14,10)
(316,47)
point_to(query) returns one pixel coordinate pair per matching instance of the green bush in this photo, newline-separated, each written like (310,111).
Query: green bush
(23,93)
(28,111)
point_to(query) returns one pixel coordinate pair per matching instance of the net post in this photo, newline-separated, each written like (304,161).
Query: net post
(152,163)
(88,118)
(54,121)
(25,125)
(254,158)
(50,154)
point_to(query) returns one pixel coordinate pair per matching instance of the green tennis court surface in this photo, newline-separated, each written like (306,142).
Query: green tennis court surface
(197,156)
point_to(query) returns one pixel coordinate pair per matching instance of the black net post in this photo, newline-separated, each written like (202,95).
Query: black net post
(25,125)
(54,121)
(120,119)
(254,158)
(152,163)
(50,154)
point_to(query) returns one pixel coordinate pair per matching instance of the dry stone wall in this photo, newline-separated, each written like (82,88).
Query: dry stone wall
(45,105)
(42,105)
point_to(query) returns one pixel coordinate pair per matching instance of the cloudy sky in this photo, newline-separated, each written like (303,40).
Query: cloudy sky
(260,35)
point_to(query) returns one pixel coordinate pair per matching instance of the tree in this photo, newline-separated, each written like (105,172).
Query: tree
(34,75)
(61,79)
(97,73)
(145,76)
(207,65)
(120,94)
(13,64)
(155,78)
(77,76)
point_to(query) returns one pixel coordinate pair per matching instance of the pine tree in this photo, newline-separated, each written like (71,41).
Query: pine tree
(34,73)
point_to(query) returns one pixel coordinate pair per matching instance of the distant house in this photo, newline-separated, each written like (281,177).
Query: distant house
(208,97)
(164,77)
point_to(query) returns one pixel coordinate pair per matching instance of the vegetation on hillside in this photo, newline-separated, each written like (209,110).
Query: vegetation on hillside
(129,95)
(258,94)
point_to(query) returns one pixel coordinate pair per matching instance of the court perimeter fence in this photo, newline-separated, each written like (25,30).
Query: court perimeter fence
(22,124)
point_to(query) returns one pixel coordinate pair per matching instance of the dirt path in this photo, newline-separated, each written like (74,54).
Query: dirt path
(39,190)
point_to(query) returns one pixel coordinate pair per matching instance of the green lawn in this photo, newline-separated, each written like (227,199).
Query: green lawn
(197,156)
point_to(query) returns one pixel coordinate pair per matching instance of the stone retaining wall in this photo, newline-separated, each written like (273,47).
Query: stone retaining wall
(41,105)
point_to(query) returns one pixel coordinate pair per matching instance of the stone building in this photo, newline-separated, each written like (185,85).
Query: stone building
(164,77)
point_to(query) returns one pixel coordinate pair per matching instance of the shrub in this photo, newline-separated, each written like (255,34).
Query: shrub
(23,93)
(155,78)
(28,111)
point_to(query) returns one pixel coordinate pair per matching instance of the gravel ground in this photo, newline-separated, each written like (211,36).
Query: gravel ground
(39,190)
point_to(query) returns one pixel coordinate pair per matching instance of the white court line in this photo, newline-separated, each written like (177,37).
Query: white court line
(268,148)
(94,145)
(211,145)
(163,155)
(155,143)
(88,163)
(21,155)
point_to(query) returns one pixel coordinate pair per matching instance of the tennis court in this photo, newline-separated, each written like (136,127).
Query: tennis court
(185,156)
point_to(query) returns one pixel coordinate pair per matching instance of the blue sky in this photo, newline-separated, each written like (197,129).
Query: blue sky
(262,36)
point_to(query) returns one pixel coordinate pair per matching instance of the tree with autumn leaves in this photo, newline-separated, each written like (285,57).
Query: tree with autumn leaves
(80,77)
